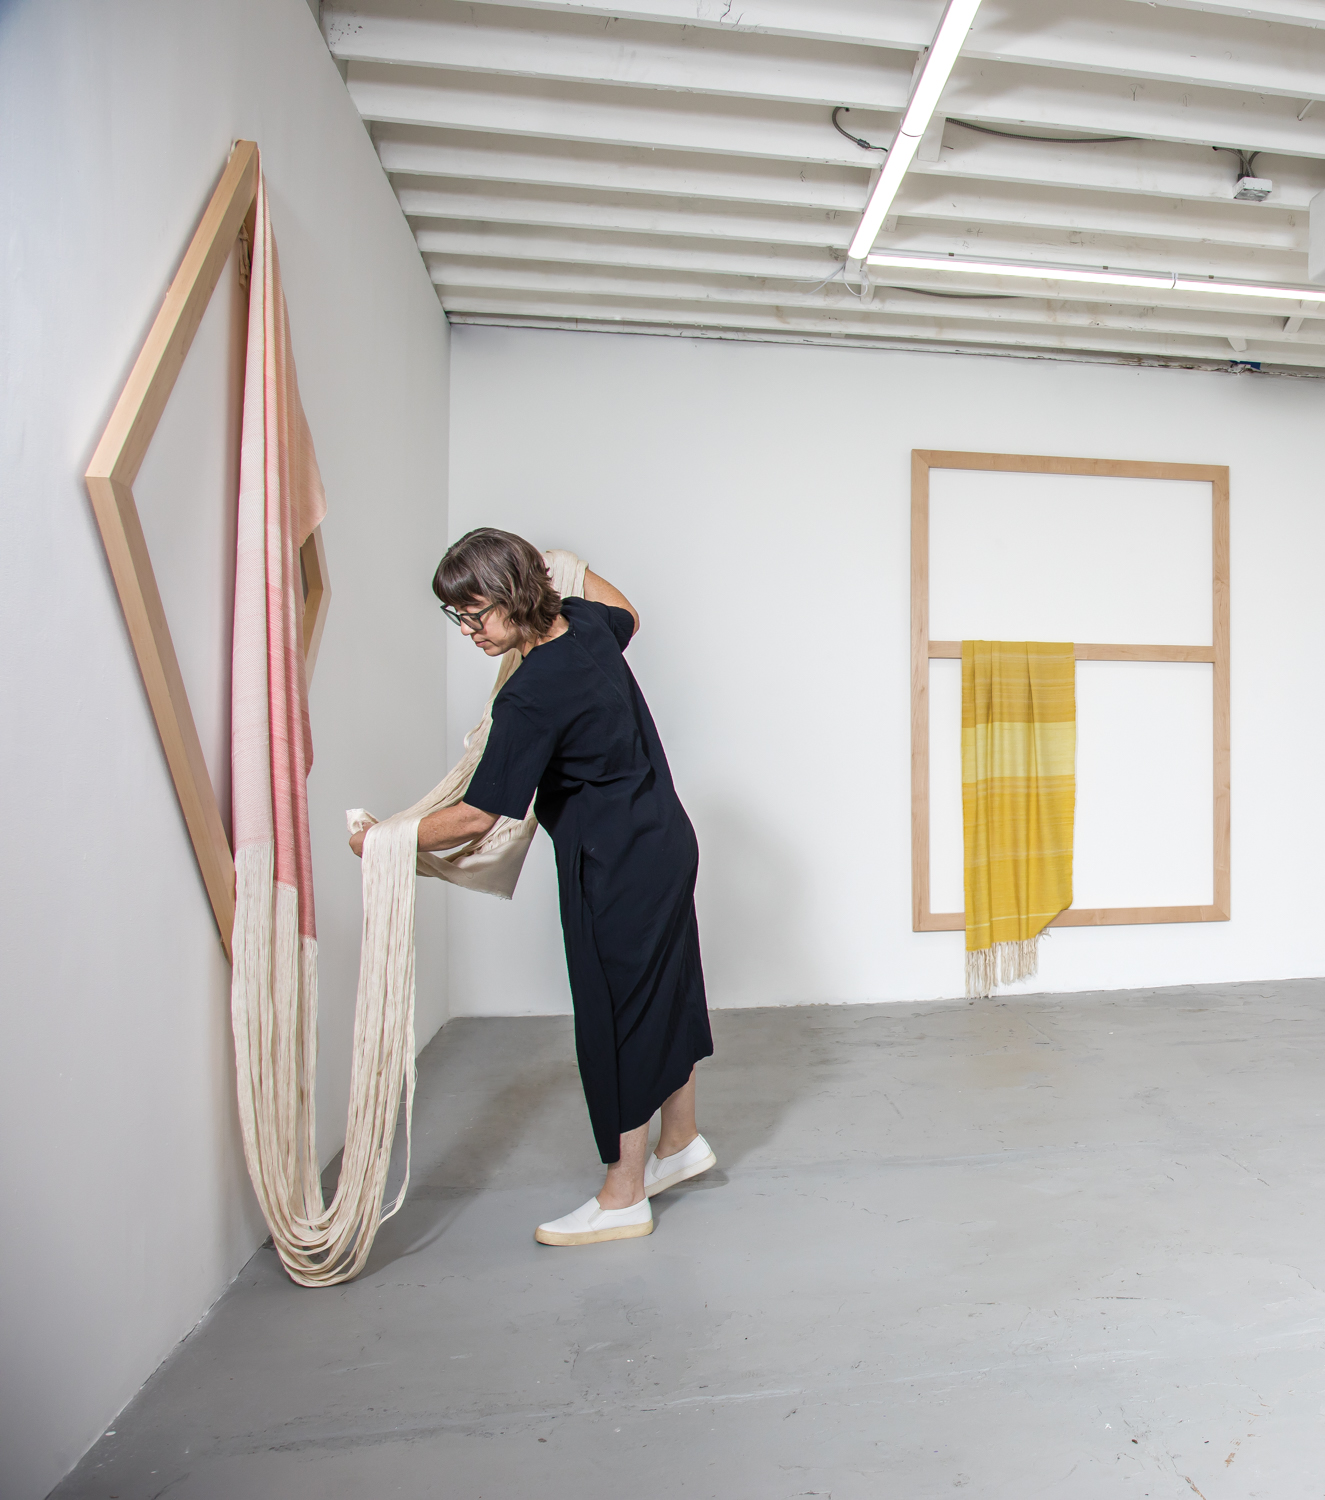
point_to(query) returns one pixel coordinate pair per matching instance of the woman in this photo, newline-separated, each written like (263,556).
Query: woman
(572,726)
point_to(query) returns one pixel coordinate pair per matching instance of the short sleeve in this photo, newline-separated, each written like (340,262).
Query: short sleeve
(520,745)
(593,613)
(622,624)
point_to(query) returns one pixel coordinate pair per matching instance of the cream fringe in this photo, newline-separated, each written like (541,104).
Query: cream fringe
(1002,963)
(274,1014)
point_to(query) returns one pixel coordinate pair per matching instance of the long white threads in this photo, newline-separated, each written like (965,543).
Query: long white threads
(274,1013)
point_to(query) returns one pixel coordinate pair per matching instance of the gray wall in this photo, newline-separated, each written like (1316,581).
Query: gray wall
(127,1203)
(753,500)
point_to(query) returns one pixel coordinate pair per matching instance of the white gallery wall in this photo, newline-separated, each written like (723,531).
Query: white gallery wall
(753,500)
(128,1207)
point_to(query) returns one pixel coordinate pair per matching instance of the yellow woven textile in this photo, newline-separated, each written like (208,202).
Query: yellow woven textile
(1019,744)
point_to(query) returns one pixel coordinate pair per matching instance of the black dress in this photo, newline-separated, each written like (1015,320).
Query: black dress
(573,724)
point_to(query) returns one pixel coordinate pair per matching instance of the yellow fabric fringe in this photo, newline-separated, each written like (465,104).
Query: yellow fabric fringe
(1019,742)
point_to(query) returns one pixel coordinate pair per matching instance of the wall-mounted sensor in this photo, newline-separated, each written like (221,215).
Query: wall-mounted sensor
(1253,189)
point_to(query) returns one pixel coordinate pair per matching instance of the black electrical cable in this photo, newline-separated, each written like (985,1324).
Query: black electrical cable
(1011,135)
(1057,140)
(964,296)
(845,109)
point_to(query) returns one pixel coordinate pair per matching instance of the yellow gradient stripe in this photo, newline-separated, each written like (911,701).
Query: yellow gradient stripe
(1019,740)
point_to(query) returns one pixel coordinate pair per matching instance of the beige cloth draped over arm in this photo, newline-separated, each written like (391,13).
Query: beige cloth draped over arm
(491,864)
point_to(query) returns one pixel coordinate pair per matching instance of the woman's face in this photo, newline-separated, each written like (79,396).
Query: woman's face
(488,627)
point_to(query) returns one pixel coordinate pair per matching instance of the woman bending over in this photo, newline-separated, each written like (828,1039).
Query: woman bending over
(571,732)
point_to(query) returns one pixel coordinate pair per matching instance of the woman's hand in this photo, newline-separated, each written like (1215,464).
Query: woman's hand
(356,840)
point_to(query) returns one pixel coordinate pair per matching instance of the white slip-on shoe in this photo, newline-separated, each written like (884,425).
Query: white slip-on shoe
(590,1224)
(660,1173)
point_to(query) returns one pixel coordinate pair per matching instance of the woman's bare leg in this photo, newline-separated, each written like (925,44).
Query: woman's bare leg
(678,1120)
(625,1177)
(624,1186)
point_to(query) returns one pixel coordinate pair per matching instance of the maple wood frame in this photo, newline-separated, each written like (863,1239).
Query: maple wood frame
(924,650)
(110,478)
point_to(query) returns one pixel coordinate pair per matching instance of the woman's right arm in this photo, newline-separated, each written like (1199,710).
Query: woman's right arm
(598,591)
(444,829)
(450,826)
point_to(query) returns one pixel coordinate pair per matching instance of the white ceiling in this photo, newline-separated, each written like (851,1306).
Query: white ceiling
(673,164)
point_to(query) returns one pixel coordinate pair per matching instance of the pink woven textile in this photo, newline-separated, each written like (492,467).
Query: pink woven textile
(273,990)
(281,501)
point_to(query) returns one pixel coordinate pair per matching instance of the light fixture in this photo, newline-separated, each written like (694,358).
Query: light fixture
(1250,188)
(1164,281)
(1253,189)
(903,261)
(938,65)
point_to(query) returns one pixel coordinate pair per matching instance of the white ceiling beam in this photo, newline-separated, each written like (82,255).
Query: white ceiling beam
(991,320)
(586,50)
(612,314)
(791,271)
(904,24)
(992,94)
(647,214)
(1221,307)
(1118,317)
(929,208)
(1190,183)
(1152,168)
(1005,95)
(1007,205)
(1285,13)
(886,23)
(415,154)
(469,284)
(568,111)
(811,263)
(785,264)
(1293,323)
(646,43)
(1119,250)
(1205,50)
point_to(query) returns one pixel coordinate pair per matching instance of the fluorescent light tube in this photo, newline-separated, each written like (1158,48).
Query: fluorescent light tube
(1166,281)
(1160,280)
(948,42)
(938,65)
(895,165)
(1248,289)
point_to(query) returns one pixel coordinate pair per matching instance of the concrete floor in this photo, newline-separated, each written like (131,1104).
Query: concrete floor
(1061,1246)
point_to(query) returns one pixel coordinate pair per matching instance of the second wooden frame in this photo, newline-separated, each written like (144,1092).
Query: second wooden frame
(923,650)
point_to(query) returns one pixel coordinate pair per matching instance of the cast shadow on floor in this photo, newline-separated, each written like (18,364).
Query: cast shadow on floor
(499,1104)
(499,1107)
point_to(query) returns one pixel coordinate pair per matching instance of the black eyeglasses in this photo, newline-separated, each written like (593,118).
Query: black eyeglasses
(473,619)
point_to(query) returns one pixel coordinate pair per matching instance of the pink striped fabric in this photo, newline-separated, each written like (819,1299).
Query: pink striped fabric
(281,501)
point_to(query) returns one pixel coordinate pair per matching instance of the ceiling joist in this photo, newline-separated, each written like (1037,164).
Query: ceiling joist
(675,161)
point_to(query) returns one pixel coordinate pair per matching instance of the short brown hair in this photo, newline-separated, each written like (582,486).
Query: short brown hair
(505,570)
